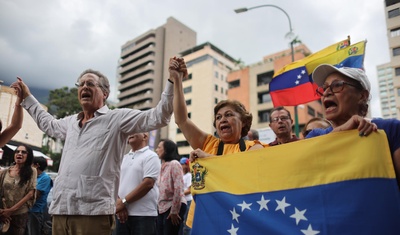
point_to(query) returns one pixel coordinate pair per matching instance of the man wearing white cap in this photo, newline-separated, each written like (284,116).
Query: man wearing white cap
(345,93)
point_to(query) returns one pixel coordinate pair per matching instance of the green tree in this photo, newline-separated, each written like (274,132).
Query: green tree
(63,102)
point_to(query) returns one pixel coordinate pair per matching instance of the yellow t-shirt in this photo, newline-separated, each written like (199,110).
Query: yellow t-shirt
(211,147)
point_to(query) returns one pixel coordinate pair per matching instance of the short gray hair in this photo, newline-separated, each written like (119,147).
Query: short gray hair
(103,80)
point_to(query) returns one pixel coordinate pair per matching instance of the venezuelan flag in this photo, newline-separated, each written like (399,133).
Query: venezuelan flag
(293,85)
(334,184)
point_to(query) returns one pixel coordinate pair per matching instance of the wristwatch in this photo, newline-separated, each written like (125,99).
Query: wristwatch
(125,202)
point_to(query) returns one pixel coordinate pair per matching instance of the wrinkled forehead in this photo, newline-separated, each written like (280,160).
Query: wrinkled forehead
(226,108)
(278,113)
(89,76)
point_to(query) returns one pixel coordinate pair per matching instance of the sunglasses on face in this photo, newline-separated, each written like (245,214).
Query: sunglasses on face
(334,87)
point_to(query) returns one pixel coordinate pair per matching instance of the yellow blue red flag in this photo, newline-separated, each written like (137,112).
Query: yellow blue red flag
(339,183)
(293,84)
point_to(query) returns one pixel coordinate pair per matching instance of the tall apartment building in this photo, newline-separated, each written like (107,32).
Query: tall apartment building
(208,68)
(143,65)
(250,85)
(389,73)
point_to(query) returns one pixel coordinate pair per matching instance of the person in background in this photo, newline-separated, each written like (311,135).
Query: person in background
(345,93)
(138,194)
(36,222)
(16,120)
(19,183)
(187,183)
(171,202)
(86,188)
(281,123)
(313,123)
(253,135)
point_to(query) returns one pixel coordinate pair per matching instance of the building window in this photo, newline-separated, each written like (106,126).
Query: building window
(263,116)
(394,13)
(234,84)
(189,115)
(178,131)
(216,87)
(395,32)
(396,51)
(222,90)
(215,100)
(187,89)
(264,97)
(188,102)
(264,78)
(216,74)
(397,71)
(189,77)
(222,77)
(398,92)
(310,111)
(183,143)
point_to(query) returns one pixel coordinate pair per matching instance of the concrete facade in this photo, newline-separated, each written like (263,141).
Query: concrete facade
(389,73)
(143,65)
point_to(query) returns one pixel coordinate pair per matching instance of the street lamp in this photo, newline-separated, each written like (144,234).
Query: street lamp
(291,36)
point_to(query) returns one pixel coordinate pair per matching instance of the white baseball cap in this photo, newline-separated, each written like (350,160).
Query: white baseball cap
(322,72)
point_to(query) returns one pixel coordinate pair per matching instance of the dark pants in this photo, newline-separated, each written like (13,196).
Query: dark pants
(137,225)
(35,223)
(185,230)
(18,224)
(165,226)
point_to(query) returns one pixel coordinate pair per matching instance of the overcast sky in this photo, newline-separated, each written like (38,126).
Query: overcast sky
(50,42)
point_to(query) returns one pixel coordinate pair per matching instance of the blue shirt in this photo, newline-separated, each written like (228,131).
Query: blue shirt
(44,184)
(390,126)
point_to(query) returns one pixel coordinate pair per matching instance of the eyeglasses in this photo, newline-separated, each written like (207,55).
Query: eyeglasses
(21,151)
(335,87)
(89,84)
(282,118)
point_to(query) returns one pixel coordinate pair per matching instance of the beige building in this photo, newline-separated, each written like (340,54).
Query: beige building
(208,68)
(389,73)
(29,134)
(143,66)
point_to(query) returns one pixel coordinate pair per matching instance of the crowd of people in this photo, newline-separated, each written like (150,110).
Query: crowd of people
(101,190)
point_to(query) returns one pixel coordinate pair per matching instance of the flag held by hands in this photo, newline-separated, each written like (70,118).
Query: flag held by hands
(293,84)
(323,189)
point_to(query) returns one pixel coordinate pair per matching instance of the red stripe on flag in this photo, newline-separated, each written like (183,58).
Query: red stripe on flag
(297,95)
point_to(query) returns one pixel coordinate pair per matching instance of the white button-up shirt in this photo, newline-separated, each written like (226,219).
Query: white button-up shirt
(88,177)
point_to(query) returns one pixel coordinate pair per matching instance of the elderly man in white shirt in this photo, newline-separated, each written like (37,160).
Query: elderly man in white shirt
(86,188)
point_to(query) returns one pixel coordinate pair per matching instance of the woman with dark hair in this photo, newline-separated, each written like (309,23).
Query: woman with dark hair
(18,190)
(171,202)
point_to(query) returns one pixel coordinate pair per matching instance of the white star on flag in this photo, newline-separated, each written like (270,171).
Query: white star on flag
(282,205)
(244,206)
(299,76)
(235,215)
(309,231)
(263,203)
(297,82)
(303,71)
(233,230)
(298,215)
